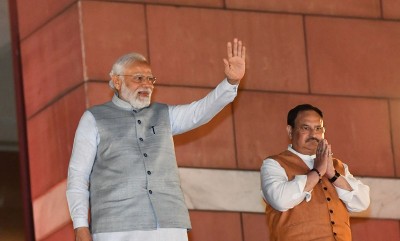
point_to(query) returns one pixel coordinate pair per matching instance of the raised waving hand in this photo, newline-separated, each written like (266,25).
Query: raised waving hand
(235,65)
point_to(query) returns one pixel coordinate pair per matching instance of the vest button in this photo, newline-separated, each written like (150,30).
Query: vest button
(332,222)
(329,199)
(325,188)
(145,154)
(149,172)
(331,211)
(334,233)
(139,122)
(150,191)
(141,139)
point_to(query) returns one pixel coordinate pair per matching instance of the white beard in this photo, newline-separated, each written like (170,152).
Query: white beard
(133,97)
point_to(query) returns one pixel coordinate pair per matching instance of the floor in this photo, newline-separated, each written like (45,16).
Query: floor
(11,219)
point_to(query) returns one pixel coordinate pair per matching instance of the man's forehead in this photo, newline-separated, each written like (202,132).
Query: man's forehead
(309,116)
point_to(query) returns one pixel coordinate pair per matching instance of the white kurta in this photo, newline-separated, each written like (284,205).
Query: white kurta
(291,193)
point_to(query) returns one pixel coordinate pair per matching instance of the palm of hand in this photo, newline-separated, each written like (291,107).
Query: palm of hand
(236,68)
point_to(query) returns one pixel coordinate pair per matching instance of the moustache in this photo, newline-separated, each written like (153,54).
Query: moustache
(313,139)
(144,90)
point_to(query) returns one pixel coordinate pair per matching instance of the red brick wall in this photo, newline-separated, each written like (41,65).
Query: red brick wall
(342,56)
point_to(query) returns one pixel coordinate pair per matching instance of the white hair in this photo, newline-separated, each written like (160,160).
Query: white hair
(123,61)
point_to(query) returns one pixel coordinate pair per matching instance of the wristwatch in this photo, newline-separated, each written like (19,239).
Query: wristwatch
(333,179)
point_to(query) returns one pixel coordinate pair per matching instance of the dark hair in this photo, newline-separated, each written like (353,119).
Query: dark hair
(292,115)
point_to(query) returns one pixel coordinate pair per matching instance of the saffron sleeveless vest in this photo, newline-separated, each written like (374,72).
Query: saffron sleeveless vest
(323,218)
(134,184)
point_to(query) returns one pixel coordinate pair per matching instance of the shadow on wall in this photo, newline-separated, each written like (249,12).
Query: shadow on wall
(11,211)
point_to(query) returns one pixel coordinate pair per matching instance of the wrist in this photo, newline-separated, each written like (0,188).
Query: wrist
(233,81)
(334,177)
(316,171)
(330,174)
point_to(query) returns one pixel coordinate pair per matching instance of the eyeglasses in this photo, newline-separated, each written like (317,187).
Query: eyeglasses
(140,78)
(308,129)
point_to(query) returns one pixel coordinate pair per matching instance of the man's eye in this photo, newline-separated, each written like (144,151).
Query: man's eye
(140,78)
(306,128)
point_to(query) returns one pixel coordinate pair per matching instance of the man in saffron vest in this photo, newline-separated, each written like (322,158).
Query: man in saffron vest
(309,194)
(123,168)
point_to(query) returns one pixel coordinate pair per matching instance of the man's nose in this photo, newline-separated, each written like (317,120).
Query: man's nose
(147,83)
(312,132)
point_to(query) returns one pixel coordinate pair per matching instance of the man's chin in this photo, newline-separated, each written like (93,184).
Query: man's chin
(141,104)
(312,146)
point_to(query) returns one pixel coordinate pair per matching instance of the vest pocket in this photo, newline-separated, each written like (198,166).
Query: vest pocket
(111,195)
(156,130)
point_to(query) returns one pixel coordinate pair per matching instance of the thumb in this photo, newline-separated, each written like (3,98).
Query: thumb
(226,63)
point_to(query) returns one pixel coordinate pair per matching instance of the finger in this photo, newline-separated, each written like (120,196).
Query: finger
(319,148)
(330,150)
(235,47)
(323,152)
(244,52)
(226,63)
(321,145)
(239,48)
(229,49)
(326,147)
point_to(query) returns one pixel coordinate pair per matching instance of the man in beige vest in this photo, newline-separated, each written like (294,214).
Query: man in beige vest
(309,194)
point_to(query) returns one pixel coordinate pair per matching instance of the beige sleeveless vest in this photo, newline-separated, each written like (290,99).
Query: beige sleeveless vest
(323,218)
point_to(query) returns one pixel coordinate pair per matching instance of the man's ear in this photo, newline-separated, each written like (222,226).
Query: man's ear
(289,130)
(117,82)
